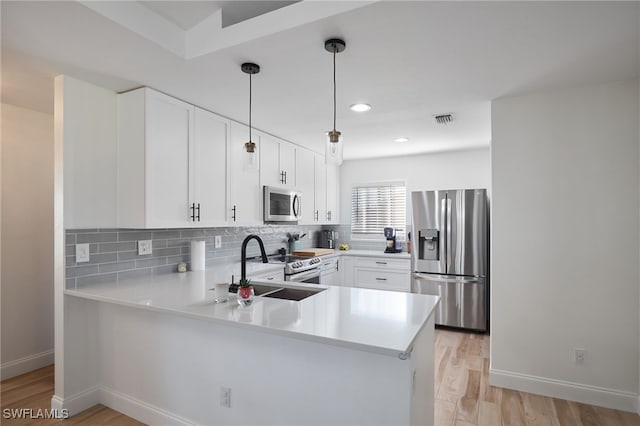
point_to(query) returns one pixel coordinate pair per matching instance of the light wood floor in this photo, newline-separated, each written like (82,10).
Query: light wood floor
(35,389)
(463,395)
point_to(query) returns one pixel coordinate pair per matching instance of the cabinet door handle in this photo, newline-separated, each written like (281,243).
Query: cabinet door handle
(193,212)
(283,177)
(234,213)
(381,279)
(198,208)
(381,263)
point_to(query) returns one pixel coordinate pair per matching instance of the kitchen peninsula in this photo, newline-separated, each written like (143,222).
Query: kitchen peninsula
(161,350)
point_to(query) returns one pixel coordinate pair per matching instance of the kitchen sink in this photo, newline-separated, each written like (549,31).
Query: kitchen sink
(296,294)
(278,292)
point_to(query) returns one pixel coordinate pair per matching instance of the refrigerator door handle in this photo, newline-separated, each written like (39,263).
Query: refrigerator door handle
(463,280)
(443,238)
(449,242)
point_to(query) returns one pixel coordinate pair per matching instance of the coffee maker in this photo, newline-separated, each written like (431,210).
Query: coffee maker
(392,245)
(328,239)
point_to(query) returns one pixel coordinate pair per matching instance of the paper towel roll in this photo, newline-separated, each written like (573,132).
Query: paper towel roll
(198,250)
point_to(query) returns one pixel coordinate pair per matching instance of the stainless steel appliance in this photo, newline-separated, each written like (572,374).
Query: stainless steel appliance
(328,239)
(298,268)
(392,244)
(449,255)
(281,205)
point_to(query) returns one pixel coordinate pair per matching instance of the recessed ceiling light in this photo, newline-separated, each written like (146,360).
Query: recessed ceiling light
(401,140)
(360,107)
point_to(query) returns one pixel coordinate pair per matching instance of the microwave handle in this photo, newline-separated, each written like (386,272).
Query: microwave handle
(296,205)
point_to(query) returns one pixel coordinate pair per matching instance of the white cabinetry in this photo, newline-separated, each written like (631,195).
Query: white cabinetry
(277,162)
(154,134)
(305,183)
(381,273)
(347,271)
(245,193)
(209,171)
(277,275)
(320,205)
(329,271)
(332,215)
(171,162)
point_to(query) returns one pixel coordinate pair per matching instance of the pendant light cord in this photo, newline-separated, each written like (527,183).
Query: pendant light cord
(334,87)
(250,108)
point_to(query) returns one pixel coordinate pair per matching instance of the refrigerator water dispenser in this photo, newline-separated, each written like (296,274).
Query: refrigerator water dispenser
(429,249)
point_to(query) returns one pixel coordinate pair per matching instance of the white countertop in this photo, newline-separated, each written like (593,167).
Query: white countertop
(372,320)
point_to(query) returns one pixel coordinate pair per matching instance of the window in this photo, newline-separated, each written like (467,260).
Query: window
(376,206)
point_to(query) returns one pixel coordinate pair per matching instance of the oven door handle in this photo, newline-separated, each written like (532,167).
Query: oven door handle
(300,276)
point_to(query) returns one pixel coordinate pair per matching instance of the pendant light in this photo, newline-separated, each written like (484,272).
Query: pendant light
(250,146)
(333,147)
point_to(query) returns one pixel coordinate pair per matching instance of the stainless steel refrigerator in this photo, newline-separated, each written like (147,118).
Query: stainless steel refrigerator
(450,254)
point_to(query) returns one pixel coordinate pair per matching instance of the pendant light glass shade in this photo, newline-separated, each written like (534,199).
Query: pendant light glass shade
(333,145)
(251,158)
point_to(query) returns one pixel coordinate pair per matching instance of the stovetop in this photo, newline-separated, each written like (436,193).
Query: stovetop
(295,264)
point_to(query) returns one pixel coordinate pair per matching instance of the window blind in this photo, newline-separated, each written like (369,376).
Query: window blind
(375,207)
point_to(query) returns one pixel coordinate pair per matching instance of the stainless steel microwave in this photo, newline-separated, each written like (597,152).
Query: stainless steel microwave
(281,205)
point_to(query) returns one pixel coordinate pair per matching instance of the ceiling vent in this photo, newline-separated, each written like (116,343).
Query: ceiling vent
(443,118)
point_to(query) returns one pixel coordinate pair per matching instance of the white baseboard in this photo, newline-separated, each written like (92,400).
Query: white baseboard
(132,407)
(24,365)
(603,397)
(140,410)
(78,402)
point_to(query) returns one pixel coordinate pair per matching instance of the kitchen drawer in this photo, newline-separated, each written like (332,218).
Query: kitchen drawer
(382,280)
(268,276)
(384,263)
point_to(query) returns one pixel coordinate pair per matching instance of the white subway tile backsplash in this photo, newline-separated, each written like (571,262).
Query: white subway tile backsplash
(114,252)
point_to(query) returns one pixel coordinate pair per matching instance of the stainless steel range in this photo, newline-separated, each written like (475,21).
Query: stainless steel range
(298,268)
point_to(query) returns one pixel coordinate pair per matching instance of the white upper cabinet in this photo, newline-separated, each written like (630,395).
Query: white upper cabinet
(155,132)
(245,192)
(277,162)
(305,184)
(180,166)
(332,215)
(209,171)
(171,163)
(320,214)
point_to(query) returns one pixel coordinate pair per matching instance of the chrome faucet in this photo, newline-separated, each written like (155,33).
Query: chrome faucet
(243,254)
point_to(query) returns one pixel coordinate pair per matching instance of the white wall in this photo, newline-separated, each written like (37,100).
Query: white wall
(447,170)
(27,240)
(90,144)
(565,223)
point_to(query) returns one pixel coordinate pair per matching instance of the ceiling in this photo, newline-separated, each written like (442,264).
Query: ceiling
(409,60)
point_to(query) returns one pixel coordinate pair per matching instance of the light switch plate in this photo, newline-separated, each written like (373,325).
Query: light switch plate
(217,241)
(82,253)
(144,247)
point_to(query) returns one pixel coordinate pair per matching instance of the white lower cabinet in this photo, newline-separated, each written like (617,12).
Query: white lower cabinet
(277,275)
(379,273)
(347,271)
(330,271)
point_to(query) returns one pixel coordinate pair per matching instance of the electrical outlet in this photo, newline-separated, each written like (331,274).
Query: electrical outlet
(144,247)
(225,397)
(218,241)
(578,355)
(82,253)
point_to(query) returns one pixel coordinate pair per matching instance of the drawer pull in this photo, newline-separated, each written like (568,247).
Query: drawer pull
(381,279)
(270,278)
(381,263)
